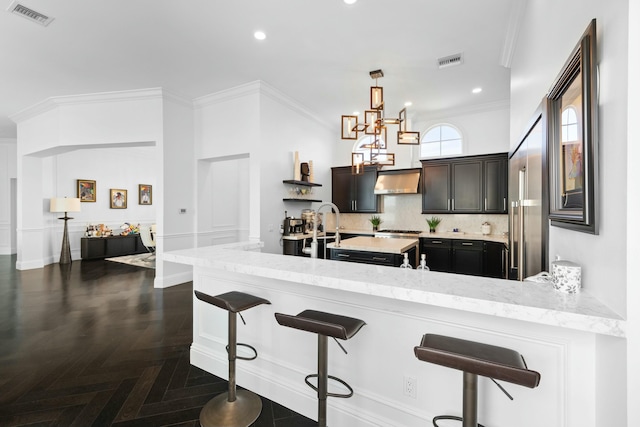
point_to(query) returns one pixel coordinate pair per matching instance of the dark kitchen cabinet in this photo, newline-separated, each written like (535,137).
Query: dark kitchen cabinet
(436,187)
(438,254)
(377,258)
(473,184)
(354,193)
(466,257)
(496,178)
(495,260)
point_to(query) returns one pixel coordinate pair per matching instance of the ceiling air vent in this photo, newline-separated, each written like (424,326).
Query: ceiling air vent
(450,61)
(29,14)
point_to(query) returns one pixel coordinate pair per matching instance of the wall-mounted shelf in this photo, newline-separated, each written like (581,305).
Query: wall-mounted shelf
(302,183)
(304,194)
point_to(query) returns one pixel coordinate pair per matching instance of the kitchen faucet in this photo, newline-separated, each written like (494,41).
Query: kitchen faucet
(313,250)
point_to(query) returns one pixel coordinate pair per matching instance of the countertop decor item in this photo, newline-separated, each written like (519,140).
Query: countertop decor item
(433,223)
(486,228)
(566,276)
(375,221)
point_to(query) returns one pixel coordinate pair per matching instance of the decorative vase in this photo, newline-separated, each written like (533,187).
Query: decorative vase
(432,230)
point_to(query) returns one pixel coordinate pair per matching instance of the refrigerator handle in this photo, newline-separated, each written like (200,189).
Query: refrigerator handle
(521,247)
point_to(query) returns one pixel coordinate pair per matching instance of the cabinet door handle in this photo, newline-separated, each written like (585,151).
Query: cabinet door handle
(485,203)
(355,203)
(343,255)
(467,244)
(504,203)
(436,242)
(448,204)
(375,258)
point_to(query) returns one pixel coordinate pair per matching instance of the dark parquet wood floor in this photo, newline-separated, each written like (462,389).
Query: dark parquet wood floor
(94,344)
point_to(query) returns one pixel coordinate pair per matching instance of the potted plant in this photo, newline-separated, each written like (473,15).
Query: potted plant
(433,223)
(375,220)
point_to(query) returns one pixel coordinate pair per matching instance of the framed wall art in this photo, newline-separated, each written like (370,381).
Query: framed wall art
(118,198)
(86,190)
(145,195)
(572,107)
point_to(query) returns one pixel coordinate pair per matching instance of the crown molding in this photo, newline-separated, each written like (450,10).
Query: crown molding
(262,88)
(461,111)
(513,30)
(56,101)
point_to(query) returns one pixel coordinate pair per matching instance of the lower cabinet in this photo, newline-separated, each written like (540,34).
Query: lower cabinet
(466,257)
(377,258)
(438,252)
(471,257)
(105,247)
(495,260)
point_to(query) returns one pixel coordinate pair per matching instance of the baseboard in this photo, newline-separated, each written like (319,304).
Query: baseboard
(173,280)
(29,265)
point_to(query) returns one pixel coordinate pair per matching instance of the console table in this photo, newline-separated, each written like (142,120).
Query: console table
(112,246)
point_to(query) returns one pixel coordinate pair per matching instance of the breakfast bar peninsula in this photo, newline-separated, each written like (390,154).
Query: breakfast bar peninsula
(565,337)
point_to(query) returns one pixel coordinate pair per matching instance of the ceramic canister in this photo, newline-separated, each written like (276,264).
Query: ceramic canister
(566,276)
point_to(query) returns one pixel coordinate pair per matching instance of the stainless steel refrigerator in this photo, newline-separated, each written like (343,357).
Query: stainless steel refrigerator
(528,202)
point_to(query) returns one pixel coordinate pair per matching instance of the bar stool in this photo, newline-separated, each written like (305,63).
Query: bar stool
(473,359)
(325,325)
(241,408)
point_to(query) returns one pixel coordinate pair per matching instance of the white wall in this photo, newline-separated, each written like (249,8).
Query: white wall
(227,137)
(49,132)
(263,127)
(548,34)
(7,208)
(175,162)
(288,127)
(633,233)
(133,168)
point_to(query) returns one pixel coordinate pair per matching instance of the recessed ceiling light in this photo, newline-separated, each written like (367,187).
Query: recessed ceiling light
(259,35)
(408,104)
(477,90)
(350,1)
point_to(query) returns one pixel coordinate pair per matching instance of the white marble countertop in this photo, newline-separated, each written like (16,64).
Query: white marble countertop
(375,244)
(526,301)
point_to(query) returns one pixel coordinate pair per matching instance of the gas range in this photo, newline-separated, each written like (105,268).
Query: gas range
(403,234)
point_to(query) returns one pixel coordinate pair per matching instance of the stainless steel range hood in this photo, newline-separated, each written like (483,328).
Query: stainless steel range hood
(399,181)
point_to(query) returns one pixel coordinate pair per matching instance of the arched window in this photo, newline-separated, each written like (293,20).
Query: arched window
(441,140)
(569,125)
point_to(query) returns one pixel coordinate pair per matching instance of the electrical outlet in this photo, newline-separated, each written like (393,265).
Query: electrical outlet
(410,387)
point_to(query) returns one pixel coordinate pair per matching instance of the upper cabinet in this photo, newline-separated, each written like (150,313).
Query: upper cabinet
(354,193)
(474,184)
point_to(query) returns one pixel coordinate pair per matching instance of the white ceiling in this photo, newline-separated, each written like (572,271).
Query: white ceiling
(318,52)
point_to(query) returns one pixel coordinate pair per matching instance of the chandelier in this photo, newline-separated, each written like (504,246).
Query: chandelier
(375,124)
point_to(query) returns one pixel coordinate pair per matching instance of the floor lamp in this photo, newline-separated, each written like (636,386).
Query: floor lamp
(64,204)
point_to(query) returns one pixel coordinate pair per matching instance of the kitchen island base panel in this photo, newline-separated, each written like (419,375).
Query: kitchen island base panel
(565,397)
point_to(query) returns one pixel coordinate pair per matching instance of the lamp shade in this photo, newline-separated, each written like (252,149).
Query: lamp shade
(64,204)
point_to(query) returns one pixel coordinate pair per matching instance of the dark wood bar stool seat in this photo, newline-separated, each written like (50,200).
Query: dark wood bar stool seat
(234,408)
(325,325)
(473,358)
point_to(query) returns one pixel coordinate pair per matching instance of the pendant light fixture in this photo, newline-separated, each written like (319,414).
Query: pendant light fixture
(375,123)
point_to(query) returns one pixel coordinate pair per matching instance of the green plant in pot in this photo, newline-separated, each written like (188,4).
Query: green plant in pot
(375,220)
(433,223)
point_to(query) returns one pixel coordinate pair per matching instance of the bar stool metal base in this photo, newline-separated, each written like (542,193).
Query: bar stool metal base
(448,417)
(219,412)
